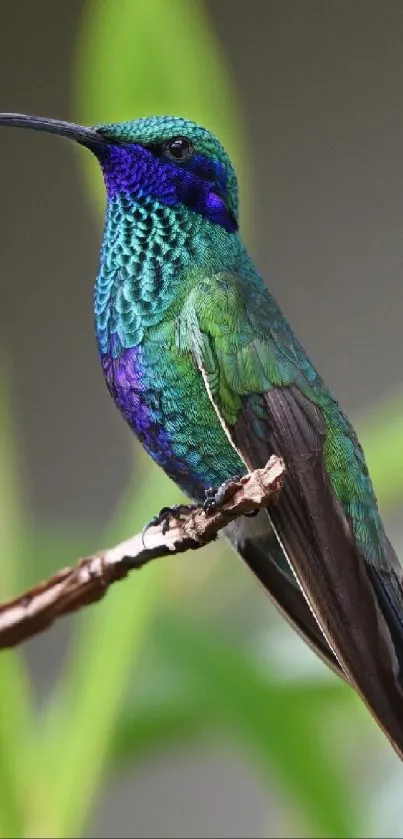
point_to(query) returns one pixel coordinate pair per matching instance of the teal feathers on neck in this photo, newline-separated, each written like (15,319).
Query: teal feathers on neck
(150,256)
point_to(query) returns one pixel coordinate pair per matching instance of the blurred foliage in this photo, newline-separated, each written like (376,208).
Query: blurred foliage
(163,659)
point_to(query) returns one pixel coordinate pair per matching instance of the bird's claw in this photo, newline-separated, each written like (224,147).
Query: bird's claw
(165,515)
(215,497)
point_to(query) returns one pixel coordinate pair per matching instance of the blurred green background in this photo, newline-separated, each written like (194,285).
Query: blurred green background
(183,705)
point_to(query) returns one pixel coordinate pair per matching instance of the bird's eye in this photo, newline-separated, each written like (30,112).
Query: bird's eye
(178,149)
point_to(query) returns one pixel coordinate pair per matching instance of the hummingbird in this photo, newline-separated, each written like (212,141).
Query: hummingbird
(207,372)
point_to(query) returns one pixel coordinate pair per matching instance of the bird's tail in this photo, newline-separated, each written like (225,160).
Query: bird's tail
(254,539)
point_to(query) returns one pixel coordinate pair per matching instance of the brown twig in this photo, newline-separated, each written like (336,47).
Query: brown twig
(89,580)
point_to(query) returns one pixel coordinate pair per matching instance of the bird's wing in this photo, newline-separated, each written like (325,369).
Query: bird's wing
(270,399)
(254,538)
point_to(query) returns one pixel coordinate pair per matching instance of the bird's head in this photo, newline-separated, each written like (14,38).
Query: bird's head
(170,159)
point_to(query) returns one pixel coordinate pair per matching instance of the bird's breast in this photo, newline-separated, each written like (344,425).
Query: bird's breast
(162,397)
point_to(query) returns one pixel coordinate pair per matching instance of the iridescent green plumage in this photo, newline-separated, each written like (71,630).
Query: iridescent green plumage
(245,347)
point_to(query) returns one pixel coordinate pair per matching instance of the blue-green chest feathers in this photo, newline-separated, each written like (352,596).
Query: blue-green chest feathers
(142,260)
(149,253)
(146,267)
(164,400)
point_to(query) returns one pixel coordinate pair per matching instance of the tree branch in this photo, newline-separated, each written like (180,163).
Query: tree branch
(89,580)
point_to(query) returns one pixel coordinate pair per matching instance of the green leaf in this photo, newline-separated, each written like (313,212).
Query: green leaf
(169,707)
(276,723)
(16,725)
(16,714)
(153,725)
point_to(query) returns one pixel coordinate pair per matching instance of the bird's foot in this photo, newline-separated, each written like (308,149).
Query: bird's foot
(215,497)
(166,515)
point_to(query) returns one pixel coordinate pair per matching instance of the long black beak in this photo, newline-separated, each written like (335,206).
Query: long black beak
(88,137)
